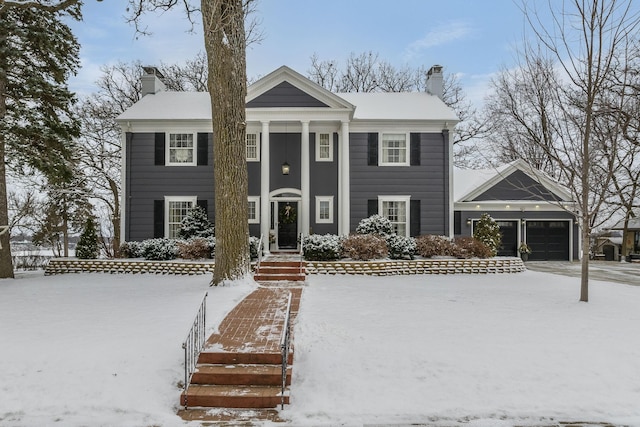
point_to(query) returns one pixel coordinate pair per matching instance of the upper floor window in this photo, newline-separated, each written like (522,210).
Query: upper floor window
(177,207)
(324,148)
(393,148)
(181,149)
(253,147)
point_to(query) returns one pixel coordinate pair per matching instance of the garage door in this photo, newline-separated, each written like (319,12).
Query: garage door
(509,231)
(548,240)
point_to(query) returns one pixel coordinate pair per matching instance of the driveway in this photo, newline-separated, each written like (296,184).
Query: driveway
(611,271)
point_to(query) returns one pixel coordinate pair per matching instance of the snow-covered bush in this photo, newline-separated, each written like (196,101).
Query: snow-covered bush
(318,247)
(488,232)
(195,248)
(253,247)
(159,249)
(196,224)
(364,247)
(375,224)
(429,245)
(469,247)
(130,250)
(87,247)
(401,247)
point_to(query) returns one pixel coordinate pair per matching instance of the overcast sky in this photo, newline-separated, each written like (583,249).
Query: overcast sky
(471,38)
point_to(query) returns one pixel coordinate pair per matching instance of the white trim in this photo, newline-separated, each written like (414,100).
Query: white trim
(319,200)
(305,179)
(407,148)
(265,205)
(256,201)
(167,149)
(318,158)
(168,200)
(257,137)
(124,188)
(407,202)
(344,197)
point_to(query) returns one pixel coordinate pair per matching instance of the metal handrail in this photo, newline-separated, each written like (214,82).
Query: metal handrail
(193,344)
(285,341)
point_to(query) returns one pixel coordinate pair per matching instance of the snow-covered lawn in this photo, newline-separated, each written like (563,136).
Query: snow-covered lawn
(473,350)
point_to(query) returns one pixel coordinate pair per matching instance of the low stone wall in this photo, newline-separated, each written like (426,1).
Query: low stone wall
(422,266)
(72,265)
(373,268)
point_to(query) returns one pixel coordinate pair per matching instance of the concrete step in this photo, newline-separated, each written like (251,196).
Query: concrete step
(282,264)
(233,396)
(291,277)
(240,375)
(231,358)
(279,270)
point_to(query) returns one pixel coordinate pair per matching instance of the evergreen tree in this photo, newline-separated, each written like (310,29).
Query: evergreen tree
(87,247)
(196,224)
(487,231)
(38,52)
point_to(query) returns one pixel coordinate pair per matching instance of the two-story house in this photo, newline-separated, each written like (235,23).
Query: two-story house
(317,161)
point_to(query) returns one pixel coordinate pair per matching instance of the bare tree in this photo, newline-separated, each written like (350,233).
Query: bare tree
(225,41)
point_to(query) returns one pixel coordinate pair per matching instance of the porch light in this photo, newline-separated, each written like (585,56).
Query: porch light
(285,168)
(468,221)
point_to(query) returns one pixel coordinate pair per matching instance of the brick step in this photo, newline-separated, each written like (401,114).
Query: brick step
(277,277)
(282,264)
(279,270)
(221,358)
(240,375)
(233,396)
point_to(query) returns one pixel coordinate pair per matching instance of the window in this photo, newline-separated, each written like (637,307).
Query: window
(253,147)
(394,149)
(254,209)
(324,148)
(324,209)
(396,210)
(176,209)
(181,149)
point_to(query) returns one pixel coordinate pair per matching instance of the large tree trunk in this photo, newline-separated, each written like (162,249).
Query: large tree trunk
(224,38)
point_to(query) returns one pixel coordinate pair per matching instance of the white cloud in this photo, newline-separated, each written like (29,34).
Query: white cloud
(438,36)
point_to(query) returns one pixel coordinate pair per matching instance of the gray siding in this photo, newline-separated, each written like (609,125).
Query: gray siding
(284,147)
(427,182)
(518,186)
(147,182)
(323,182)
(285,95)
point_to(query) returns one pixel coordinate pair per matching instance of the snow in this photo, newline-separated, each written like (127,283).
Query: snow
(473,350)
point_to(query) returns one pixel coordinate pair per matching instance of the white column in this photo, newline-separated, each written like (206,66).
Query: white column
(265,208)
(344,212)
(304,178)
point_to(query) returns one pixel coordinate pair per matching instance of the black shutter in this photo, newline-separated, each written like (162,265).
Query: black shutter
(204,205)
(159,150)
(414,227)
(203,149)
(372,158)
(457,223)
(372,207)
(415,149)
(158,218)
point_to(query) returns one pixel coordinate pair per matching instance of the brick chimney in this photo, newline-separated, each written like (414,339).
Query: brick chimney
(152,81)
(435,81)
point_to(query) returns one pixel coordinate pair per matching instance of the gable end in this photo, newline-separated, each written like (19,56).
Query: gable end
(518,186)
(285,95)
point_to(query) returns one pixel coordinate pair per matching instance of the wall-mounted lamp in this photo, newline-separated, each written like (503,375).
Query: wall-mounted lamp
(468,221)
(285,168)
(524,221)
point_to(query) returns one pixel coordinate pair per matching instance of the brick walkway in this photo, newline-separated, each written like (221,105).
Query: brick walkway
(255,324)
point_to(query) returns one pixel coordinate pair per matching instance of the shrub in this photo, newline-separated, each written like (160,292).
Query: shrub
(87,247)
(196,248)
(375,224)
(469,247)
(318,247)
(130,250)
(429,245)
(196,224)
(159,249)
(401,247)
(488,232)
(253,247)
(364,247)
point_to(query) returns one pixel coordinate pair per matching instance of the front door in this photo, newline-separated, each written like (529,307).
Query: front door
(287,225)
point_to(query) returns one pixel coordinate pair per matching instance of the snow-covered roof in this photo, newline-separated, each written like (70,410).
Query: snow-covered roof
(170,106)
(465,181)
(634,224)
(399,106)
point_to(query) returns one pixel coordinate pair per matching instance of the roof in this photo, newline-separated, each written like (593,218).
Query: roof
(634,224)
(398,106)
(170,106)
(470,183)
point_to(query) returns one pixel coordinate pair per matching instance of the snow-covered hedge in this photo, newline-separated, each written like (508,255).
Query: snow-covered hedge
(159,249)
(131,249)
(429,245)
(401,247)
(364,247)
(197,248)
(375,224)
(253,247)
(317,247)
(470,247)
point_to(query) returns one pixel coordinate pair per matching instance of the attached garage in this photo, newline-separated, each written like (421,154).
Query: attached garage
(509,231)
(548,240)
